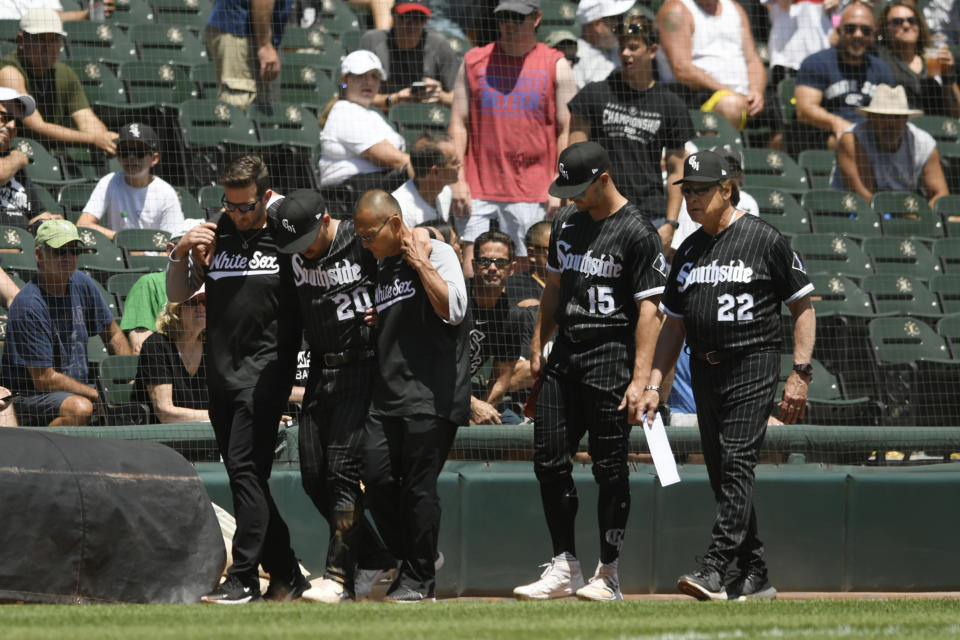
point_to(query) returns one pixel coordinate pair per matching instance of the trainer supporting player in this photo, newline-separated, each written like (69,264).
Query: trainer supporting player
(422,391)
(723,294)
(253,335)
(605,275)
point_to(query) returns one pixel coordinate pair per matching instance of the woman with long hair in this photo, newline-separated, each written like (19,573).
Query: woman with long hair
(172,372)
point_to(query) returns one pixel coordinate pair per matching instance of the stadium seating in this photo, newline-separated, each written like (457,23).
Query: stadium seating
(9,30)
(207,125)
(419,116)
(769,168)
(17,255)
(842,212)
(313,40)
(128,13)
(287,123)
(44,168)
(947,251)
(99,257)
(119,285)
(904,256)
(818,163)
(710,124)
(99,81)
(948,207)
(559,12)
(906,214)
(73,198)
(948,327)
(204,76)
(781,209)
(947,288)
(826,401)
(209,197)
(310,86)
(158,83)
(901,294)
(134,242)
(168,43)
(115,381)
(832,253)
(192,14)
(189,205)
(97,42)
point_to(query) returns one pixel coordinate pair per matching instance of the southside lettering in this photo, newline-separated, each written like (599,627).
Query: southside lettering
(342,272)
(239,262)
(604,266)
(713,274)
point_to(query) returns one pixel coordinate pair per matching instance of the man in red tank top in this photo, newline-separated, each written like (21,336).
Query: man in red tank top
(509,122)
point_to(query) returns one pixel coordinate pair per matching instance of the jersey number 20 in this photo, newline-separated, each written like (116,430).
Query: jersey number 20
(743,304)
(361,302)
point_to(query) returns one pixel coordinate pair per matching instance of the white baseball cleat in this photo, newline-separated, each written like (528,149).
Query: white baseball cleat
(560,579)
(326,590)
(604,586)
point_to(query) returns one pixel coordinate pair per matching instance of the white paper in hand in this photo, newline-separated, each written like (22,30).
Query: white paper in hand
(660,450)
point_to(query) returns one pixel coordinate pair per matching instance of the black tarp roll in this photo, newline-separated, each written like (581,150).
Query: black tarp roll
(97,520)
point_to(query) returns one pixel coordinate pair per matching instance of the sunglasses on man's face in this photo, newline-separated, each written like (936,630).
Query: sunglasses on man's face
(899,22)
(239,207)
(851,29)
(7,118)
(68,250)
(134,152)
(195,302)
(483,263)
(512,17)
(689,189)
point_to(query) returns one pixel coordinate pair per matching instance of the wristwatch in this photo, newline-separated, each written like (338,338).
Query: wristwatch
(804,369)
(672,223)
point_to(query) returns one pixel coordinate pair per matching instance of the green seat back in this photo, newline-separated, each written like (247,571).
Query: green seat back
(782,210)
(208,123)
(844,212)
(769,168)
(186,13)
(706,124)
(305,85)
(947,288)
(818,163)
(901,339)
(168,43)
(900,294)
(788,102)
(73,198)
(419,116)
(287,123)
(100,83)
(204,76)
(832,253)
(905,256)
(130,13)
(906,214)
(947,250)
(157,83)
(45,167)
(838,295)
(948,327)
(117,376)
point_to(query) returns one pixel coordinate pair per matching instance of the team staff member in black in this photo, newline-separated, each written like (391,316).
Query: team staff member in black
(253,335)
(605,276)
(422,391)
(334,278)
(723,294)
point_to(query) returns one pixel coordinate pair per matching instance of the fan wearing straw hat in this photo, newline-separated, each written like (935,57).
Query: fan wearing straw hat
(887,153)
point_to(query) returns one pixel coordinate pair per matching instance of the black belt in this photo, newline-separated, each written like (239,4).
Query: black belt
(596,334)
(716,357)
(346,357)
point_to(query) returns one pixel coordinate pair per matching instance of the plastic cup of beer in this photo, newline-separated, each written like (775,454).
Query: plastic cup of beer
(931,56)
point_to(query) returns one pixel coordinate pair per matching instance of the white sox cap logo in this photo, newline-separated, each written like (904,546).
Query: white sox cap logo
(286,225)
(694,163)
(563,172)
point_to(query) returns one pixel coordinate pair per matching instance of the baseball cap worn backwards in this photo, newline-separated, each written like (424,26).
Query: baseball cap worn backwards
(56,233)
(579,166)
(704,166)
(526,7)
(298,218)
(27,102)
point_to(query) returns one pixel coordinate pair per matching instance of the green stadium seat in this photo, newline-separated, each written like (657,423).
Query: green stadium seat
(100,83)
(44,168)
(942,128)
(73,198)
(204,76)
(460,46)
(350,40)
(91,41)
(189,205)
(901,294)
(337,17)
(947,288)
(134,242)
(827,402)
(706,124)
(781,209)
(17,248)
(948,208)
(948,327)
(832,253)
(99,257)
(9,30)
(329,65)
(818,163)
(48,200)
(844,212)
(119,285)
(287,123)
(158,83)
(838,295)
(129,13)
(208,127)
(96,350)
(769,168)
(116,383)
(559,12)
(168,43)
(419,116)
(709,141)
(209,197)
(902,256)
(21,265)
(313,40)
(906,214)
(83,163)
(947,250)
(788,102)
(192,14)
(306,85)
(916,376)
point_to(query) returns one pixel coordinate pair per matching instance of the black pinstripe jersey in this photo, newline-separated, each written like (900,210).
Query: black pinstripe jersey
(605,267)
(728,288)
(334,291)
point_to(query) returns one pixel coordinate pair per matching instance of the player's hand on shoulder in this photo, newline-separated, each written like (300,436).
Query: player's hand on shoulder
(416,248)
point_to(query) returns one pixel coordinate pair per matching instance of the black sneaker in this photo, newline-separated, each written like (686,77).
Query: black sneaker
(407,595)
(705,583)
(232,591)
(755,586)
(286,590)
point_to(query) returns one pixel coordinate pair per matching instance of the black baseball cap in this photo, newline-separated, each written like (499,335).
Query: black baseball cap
(704,166)
(731,155)
(579,166)
(298,218)
(138,133)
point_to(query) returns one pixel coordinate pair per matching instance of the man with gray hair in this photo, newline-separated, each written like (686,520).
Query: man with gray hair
(597,47)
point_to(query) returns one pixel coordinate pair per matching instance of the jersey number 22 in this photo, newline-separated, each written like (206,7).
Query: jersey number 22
(743,304)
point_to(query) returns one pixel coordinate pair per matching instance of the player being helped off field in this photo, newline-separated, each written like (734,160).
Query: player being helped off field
(605,275)
(723,294)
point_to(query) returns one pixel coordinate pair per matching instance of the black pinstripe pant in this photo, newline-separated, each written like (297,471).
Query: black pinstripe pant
(246,424)
(584,385)
(734,399)
(335,408)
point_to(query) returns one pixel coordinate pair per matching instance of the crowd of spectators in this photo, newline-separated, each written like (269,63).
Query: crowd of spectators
(623,75)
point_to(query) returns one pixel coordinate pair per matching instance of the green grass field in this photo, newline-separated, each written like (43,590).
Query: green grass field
(664,620)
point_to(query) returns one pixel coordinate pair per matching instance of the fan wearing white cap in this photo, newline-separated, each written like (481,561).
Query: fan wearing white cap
(887,153)
(359,149)
(598,47)
(20,205)
(15,9)
(62,114)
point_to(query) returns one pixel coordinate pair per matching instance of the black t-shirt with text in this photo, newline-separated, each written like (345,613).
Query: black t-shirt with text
(496,332)
(335,290)
(728,288)
(19,201)
(635,127)
(253,321)
(605,268)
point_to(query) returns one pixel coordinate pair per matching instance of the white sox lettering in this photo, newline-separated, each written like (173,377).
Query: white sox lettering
(391,293)
(713,274)
(341,272)
(232,265)
(603,265)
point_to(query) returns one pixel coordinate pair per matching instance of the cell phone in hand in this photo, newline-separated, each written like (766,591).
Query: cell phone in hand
(418,90)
